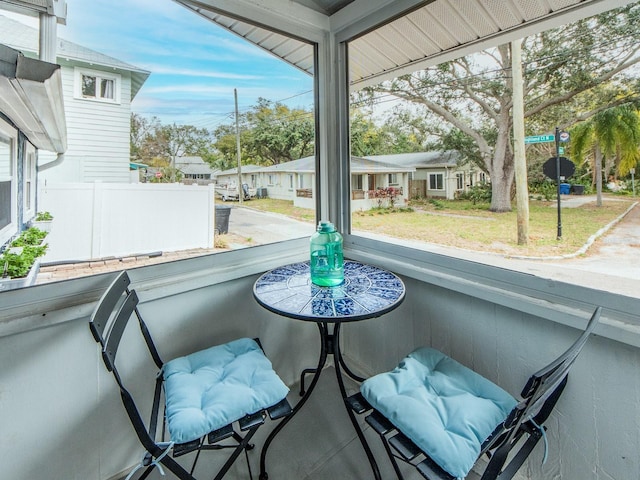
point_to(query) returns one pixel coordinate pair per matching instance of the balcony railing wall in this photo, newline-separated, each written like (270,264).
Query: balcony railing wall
(62,416)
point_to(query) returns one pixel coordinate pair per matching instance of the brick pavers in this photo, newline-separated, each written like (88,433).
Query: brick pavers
(65,271)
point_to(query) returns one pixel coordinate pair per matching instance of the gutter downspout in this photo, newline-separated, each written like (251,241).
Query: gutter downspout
(47,52)
(54,163)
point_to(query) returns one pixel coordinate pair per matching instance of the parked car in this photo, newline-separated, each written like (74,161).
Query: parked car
(230,192)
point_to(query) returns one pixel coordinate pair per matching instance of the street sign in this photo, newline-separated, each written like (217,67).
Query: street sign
(550,169)
(539,139)
(561,150)
(564,136)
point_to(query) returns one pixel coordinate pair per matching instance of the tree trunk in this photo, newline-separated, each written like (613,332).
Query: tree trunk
(598,160)
(501,191)
(501,169)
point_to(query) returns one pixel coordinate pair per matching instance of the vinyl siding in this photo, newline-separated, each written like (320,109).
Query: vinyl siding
(98,133)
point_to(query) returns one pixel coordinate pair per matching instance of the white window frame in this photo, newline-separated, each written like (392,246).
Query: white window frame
(9,136)
(77,91)
(393,179)
(436,175)
(460,181)
(271,179)
(291,184)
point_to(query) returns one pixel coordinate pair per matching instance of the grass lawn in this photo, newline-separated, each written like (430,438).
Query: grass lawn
(473,227)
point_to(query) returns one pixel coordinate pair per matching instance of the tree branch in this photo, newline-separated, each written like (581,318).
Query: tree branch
(568,95)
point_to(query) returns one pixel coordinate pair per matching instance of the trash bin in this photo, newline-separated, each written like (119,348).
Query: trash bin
(577,189)
(222,218)
(564,188)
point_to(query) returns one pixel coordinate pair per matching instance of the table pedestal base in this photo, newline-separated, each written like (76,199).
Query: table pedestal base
(329,345)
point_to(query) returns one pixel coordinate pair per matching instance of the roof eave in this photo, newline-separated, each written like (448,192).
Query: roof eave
(31,97)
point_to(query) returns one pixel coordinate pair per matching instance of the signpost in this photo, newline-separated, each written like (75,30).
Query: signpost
(633,180)
(557,138)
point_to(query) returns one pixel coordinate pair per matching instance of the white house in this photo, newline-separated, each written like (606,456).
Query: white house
(437,173)
(195,170)
(97,93)
(373,182)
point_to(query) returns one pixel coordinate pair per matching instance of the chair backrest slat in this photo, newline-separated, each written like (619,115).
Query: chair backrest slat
(542,388)
(561,365)
(120,322)
(100,319)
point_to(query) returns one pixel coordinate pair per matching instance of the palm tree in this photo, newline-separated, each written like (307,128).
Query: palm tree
(611,133)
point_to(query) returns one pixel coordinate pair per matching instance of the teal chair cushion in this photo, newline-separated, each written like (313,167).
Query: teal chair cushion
(446,409)
(206,390)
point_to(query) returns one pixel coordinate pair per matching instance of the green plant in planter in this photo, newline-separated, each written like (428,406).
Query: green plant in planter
(30,237)
(43,217)
(17,260)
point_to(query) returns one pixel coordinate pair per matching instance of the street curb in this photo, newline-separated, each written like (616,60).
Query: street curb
(582,250)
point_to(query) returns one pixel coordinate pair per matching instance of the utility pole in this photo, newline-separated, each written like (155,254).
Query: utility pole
(520,161)
(240,190)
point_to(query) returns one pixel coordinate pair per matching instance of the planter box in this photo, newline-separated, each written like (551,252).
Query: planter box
(44,225)
(13,283)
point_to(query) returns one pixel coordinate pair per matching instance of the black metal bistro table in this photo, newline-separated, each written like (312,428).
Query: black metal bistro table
(367,292)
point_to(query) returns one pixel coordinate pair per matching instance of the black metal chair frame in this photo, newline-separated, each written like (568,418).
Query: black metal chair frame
(108,322)
(526,421)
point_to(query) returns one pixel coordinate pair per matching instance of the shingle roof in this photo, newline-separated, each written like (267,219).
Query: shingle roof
(359,165)
(193,165)
(432,159)
(25,38)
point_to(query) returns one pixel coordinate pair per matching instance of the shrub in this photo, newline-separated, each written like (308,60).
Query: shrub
(478,194)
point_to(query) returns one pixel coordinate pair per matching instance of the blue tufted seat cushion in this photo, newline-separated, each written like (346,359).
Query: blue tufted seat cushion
(209,389)
(446,409)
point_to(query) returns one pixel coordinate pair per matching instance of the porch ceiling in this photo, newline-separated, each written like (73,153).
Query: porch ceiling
(430,33)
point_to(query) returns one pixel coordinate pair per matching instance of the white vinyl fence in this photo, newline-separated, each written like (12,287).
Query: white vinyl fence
(98,220)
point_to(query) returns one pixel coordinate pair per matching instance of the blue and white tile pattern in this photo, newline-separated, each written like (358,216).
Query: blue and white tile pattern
(367,292)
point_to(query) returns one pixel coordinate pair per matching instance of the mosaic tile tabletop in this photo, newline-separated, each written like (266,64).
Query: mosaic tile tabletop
(367,292)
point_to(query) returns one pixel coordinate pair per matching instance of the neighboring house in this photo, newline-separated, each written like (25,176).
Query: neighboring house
(31,117)
(97,92)
(372,181)
(195,170)
(437,173)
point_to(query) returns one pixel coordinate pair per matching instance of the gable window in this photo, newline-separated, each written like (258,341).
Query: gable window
(436,181)
(96,85)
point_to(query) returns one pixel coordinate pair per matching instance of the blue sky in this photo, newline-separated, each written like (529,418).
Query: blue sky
(194,64)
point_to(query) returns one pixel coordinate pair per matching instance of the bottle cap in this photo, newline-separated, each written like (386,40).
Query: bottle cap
(326,227)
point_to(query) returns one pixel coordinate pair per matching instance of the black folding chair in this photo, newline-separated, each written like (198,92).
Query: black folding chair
(441,417)
(206,397)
